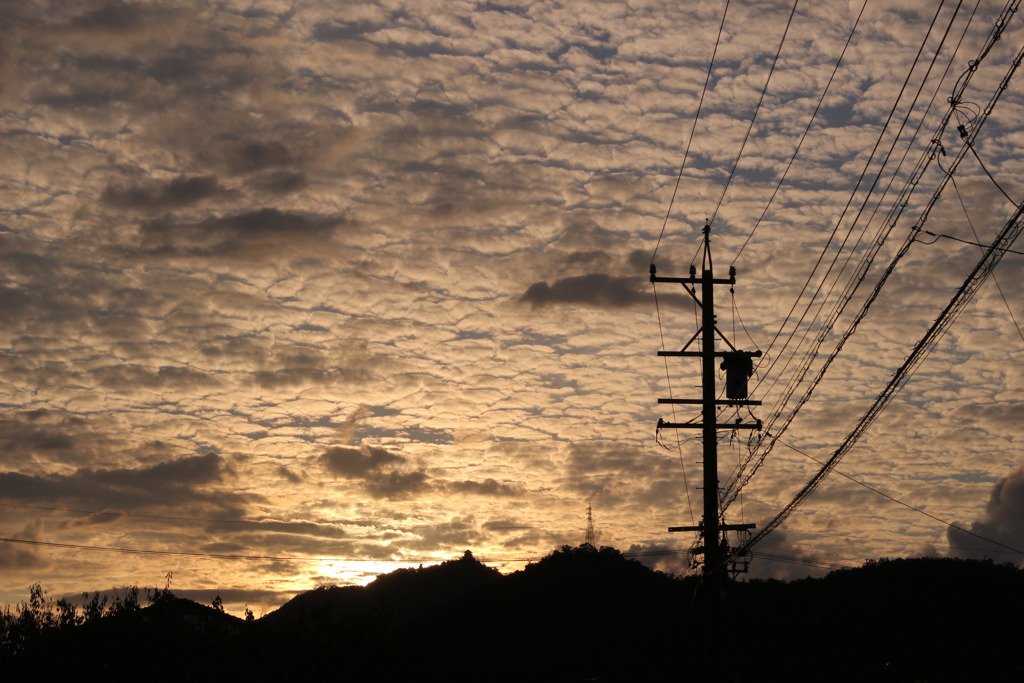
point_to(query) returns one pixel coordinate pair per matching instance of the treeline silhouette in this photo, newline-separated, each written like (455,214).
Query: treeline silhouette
(579,614)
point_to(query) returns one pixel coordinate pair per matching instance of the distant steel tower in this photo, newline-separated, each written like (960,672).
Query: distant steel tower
(591,538)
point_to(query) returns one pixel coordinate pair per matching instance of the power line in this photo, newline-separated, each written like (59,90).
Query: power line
(990,176)
(906,505)
(668,380)
(807,562)
(995,281)
(167,517)
(668,214)
(846,208)
(222,556)
(962,241)
(848,290)
(803,136)
(693,128)
(171,553)
(1010,231)
(743,476)
(254,522)
(934,148)
(753,118)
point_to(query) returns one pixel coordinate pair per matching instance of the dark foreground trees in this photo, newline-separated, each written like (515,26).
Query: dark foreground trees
(578,614)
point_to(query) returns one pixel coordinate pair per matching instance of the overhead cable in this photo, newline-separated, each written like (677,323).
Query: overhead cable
(900,502)
(668,214)
(995,280)
(753,118)
(763,450)
(1006,237)
(866,260)
(835,230)
(803,136)
(693,128)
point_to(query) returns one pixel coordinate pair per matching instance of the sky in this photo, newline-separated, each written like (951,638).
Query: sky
(368,281)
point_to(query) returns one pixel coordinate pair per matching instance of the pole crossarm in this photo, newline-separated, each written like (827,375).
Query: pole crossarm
(700,425)
(718,402)
(694,280)
(723,527)
(701,354)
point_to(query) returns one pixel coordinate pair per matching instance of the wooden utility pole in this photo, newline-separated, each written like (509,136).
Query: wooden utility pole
(738,367)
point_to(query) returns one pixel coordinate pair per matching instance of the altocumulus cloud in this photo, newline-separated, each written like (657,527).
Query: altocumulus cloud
(173,483)
(226,228)
(1003,522)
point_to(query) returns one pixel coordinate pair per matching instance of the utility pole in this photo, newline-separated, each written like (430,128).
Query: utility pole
(738,366)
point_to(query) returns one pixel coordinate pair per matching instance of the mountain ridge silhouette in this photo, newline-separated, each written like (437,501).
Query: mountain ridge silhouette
(579,614)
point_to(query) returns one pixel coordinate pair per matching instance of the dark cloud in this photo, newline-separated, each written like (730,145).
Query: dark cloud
(597,289)
(182,65)
(291,366)
(266,528)
(16,556)
(377,470)
(265,229)
(289,475)
(354,463)
(113,16)
(337,31)
(397,485)
(92,519)
(594,289)
(41,436)
(620,475)
(280,182)
(130,378)
(179,192)
(257,156)
(171,483)
(84,98)
(1003,522)
(487,487)
(14,304)
(460,532)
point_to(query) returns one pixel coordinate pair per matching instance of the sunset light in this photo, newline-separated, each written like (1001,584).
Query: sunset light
(296,294)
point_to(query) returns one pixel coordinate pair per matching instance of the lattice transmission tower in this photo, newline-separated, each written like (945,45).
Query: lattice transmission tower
(591,537)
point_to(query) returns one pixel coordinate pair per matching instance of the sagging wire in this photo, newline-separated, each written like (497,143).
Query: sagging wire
(937,236)
(848,293)
(994,280)
(981,163)
(758,446)
(693,129)
(668,380)
(757,109)
(900,502)
(803,136)
(736,316)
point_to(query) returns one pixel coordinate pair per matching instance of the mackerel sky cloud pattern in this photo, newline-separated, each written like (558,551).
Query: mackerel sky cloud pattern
(368,280)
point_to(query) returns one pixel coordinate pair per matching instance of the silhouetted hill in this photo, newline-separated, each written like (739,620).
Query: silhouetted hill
(921,619)
(579,614)
(390,599)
